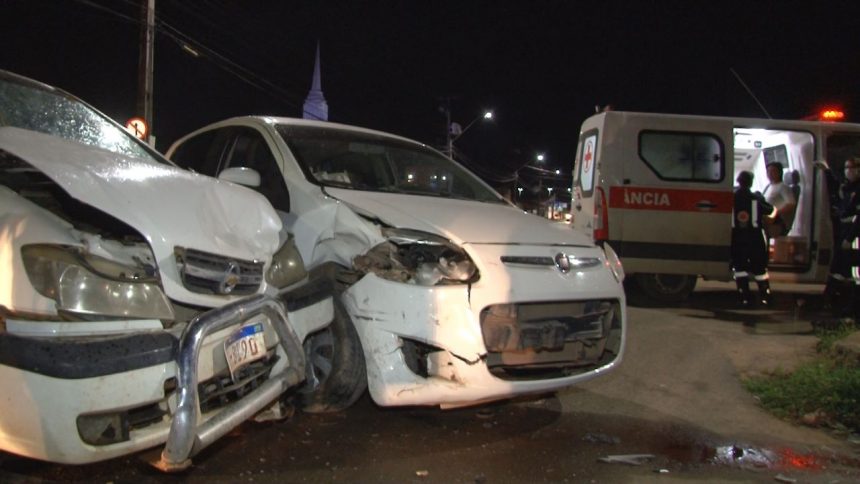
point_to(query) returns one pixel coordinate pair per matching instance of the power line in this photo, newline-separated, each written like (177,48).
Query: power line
(198,49)
(187,43)
(109,10)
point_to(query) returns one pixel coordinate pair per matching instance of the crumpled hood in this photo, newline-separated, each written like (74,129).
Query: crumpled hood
(461,221)
(169,206)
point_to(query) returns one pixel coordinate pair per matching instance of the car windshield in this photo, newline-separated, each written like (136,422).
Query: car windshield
(365,161)
(31,106)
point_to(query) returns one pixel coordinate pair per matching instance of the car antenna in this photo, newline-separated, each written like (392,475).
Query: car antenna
(750,93)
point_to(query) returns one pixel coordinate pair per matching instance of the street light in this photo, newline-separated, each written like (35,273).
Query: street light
(455,131)
(540,157)
(550,203)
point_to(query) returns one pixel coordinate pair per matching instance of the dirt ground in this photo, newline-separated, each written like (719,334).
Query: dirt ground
(686,364)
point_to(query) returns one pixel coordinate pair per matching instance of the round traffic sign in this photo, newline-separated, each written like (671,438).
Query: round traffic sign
(137,127)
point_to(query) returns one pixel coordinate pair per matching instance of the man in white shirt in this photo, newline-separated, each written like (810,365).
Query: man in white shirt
(781,197)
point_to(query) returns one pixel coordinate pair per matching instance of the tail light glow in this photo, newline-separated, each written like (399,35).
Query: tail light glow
(601,216)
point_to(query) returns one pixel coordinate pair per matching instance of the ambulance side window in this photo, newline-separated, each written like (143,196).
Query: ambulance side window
(683,156)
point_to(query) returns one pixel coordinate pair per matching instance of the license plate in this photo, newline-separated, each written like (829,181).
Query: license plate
(244,346)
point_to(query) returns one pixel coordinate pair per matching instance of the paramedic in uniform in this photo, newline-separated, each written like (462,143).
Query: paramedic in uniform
(780,196)
(843,277)
(749,244)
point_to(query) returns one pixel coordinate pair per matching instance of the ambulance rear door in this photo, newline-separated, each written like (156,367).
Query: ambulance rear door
(670,207)
(586,187)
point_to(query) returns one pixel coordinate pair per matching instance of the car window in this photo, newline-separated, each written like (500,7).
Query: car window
(247,148)
(371,162)
(201,153)
(36,108)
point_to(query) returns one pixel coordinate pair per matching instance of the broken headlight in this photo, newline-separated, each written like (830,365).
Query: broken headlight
(429,259)
(86,284)
(287,266)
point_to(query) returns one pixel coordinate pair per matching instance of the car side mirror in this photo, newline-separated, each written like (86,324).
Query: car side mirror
(241,175)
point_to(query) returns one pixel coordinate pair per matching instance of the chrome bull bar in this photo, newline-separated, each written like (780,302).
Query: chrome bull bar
(186,438)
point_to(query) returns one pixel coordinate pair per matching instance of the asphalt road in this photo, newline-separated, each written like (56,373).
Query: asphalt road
(677,398)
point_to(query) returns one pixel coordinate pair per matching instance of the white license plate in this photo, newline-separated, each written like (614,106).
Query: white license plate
(244,346)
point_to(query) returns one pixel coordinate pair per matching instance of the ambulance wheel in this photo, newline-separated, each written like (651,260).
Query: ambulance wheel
(665,288)
(335,369)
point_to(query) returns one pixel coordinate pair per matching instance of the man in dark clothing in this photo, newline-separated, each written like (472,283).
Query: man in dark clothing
(749,244)
(845,201)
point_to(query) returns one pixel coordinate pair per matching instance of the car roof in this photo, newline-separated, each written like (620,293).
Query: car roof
(288,121)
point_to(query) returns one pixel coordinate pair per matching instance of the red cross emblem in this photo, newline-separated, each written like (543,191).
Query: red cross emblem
(588,156)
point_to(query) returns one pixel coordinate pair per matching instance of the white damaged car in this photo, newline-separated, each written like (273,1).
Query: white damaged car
(140,304)
(453,295)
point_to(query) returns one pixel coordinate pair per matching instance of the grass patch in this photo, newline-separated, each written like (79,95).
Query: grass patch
(829,335)
(826,386)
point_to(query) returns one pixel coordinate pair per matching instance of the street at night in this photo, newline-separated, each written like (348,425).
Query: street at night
(489,241)
(677,398)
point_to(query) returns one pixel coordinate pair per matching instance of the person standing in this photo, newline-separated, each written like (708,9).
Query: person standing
(782,198)
(844,277)
(749,244)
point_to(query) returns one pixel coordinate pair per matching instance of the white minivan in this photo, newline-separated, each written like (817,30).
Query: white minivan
(449,295)
(658,188)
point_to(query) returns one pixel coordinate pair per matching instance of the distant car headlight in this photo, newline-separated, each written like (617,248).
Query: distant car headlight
(613,263)
(85,284)
(422,258)
(287,266)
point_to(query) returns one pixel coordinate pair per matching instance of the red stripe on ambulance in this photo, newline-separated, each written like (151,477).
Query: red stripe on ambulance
(670,199)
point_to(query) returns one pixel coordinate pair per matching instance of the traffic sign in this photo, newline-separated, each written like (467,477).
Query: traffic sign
(137,127)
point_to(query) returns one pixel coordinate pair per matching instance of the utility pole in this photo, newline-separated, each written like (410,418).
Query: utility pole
(449,138)
(145,65)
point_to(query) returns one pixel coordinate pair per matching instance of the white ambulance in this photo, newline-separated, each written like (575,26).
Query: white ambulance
(658,189)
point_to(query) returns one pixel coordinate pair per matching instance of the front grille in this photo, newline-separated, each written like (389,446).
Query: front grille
(550,339)
(222,390)
(214,274)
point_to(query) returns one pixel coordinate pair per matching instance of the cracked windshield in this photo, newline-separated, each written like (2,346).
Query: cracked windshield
(51,113)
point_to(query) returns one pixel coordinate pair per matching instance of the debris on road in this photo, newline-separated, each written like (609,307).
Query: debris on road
(744,457)
(629,459)
(598,438)
(485,413)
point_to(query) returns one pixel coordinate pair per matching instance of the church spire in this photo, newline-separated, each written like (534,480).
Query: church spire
(315,106)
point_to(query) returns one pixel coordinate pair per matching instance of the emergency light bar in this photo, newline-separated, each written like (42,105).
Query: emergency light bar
(831,115)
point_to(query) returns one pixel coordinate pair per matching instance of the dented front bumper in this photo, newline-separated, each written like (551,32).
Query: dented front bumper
(85,399)
(453,346)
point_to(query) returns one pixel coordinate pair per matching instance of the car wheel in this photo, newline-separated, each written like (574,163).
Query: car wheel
(335,369)
(665,288)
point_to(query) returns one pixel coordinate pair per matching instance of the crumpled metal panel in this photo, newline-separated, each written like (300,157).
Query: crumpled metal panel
(462,221)
(331,232)
(167,205)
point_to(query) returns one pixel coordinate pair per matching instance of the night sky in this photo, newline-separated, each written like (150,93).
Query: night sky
(542,66)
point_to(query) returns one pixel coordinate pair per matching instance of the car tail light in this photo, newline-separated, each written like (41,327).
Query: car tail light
(601,216)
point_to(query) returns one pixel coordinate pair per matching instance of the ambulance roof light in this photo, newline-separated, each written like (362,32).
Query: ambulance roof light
(832,114)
